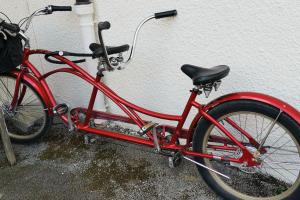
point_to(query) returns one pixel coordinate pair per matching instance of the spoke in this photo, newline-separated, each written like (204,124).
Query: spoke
(262,126)
(282,168)
(240,120)
(276,171)
(265,129)
(282,154)
(246,121)
(2,100)
(7,93)
(279,148)
(29,111)
(31,101)
(288,163)
(28,97)
(256,138)
(29,114)
(256,128)
(20,106)
(269,131)
(276,149)
(270,146)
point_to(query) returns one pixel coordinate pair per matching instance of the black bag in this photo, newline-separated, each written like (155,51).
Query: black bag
(11,52)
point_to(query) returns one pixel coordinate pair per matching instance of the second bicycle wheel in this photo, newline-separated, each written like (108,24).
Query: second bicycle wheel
(277,175)
(29,120)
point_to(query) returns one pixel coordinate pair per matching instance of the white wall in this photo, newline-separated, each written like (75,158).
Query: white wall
(59,31)
(259,40)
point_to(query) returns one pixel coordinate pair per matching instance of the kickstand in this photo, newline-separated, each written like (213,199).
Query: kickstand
(6,140)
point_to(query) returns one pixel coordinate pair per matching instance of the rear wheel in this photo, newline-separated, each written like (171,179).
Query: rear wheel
(29,120)
(277,175)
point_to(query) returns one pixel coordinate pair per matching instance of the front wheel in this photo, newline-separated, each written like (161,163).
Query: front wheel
(29,120)
(277,174)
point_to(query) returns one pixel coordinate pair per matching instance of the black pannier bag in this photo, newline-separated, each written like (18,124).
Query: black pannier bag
(11,52)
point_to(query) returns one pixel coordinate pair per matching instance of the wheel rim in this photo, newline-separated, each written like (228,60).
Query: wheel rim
(276,177)
(29,118)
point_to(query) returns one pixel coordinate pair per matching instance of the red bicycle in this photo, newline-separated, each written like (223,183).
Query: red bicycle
(245,145)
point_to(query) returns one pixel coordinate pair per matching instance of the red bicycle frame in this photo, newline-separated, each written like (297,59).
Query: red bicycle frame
(38,81)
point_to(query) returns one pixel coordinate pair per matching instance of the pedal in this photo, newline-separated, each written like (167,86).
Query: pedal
(175,160)
(151,126)
(147,128)
(61,109)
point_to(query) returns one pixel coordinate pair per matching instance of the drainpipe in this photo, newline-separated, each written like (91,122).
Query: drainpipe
(85,11)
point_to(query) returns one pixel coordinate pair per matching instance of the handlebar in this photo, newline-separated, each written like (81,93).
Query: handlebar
(170,13)
(51,8)
(106,25)
(14,28)
(60,8)
(65,53)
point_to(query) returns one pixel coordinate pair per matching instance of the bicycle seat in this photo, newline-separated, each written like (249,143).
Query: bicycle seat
(201,75)
(98,51)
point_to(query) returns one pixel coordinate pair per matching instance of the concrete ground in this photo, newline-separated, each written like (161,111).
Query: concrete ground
(61,166)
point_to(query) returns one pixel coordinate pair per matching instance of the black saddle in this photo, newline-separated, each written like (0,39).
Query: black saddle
(201,75)
(98,50)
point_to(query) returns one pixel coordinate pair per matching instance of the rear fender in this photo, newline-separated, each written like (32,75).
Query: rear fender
(272,101)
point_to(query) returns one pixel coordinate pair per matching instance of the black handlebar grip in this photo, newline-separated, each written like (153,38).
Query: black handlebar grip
(61,8)
(10,27)
(170,13)
(103,25)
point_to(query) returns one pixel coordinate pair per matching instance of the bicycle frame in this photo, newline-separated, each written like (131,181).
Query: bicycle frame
(38,81)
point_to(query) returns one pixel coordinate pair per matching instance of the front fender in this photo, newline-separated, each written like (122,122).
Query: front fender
(37,86)
(277,103)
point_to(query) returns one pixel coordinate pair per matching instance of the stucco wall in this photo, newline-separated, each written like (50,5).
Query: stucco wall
(59,31)
(259,40)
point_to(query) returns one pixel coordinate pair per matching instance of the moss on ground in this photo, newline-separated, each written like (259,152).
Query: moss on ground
(110,170)
(62,147)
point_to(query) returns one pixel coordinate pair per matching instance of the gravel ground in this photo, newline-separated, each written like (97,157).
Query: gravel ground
(61,166)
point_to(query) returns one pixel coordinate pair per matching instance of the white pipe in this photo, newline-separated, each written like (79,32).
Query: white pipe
(85,13)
